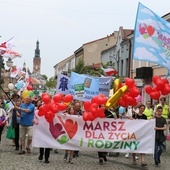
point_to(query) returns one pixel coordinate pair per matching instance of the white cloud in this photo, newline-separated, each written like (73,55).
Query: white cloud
(142,54)
(156,24)
(149,41)
(152,50)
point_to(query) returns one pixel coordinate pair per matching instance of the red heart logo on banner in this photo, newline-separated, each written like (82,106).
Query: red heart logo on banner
(150,30)
(70,127)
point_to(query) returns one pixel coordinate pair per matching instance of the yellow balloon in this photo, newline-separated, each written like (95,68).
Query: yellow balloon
(116,96)
(116,85)
(25,94)
(66,103)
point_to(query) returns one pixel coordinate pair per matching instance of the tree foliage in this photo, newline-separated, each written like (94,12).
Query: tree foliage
(51,83)
(80,68)
(44,76)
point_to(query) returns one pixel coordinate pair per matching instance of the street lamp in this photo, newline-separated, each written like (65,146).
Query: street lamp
(9,63)
(10,87)
(117,59)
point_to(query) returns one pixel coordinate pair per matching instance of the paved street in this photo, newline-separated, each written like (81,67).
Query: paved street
(10,160)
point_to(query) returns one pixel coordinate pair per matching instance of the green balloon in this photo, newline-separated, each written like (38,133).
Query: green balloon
(31,94)
(6,106)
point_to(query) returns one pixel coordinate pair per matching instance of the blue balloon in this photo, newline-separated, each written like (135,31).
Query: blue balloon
(121,110)
(19,85)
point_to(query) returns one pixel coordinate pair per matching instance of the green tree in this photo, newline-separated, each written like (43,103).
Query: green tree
(51,83)
(45,77)
(80,68)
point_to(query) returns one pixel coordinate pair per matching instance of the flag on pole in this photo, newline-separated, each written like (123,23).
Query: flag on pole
(27,79)
(11,54)
(6,45)
(15,71)
(151,38)
(109,71)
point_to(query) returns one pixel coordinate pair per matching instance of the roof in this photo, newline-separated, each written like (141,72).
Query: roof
(125,32)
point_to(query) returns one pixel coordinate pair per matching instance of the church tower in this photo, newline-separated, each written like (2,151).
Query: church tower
(37,60)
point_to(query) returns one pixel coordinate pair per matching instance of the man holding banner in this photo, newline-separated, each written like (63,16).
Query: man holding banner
(161,125)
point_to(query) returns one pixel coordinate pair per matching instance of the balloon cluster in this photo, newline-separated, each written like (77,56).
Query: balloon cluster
(131,96)
(92,109)
(26,93)
(162,87)
(52,106)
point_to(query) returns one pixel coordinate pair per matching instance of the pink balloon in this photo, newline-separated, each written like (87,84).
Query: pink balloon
(138,98)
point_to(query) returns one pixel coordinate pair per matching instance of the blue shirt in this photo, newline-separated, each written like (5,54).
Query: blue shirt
(27,118)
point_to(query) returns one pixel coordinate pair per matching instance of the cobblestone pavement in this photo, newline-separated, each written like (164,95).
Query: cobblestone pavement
(10,160)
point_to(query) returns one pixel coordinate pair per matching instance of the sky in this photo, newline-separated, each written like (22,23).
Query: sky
(62,26)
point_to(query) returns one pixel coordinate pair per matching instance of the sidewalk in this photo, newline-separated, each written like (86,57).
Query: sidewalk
(10,160)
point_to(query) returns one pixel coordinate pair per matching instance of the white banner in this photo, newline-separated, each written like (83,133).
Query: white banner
(63,84)
(110,135)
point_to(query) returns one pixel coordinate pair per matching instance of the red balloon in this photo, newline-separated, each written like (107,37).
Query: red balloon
(122,103)
(101,95)
(148,89)
(54,108)
(57,98)
(155,79)
(134,92)
(129,82)
(44,109)
(49,115)
(133,102)
(93,110)
(155,89)
(165,90)
(101,100)
(87,105)
(49,120)
(165,81)
(94,99)
(155,95)
(43,94)
(85,116)
(62,107)
(46,99)
(100,113)
(68,98)
(30,88)
(41,111)
(95,105)
(90,116)
(129,100)
(159,84)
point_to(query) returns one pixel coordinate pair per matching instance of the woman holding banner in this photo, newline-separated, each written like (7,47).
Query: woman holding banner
(139,115)
(102,155)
